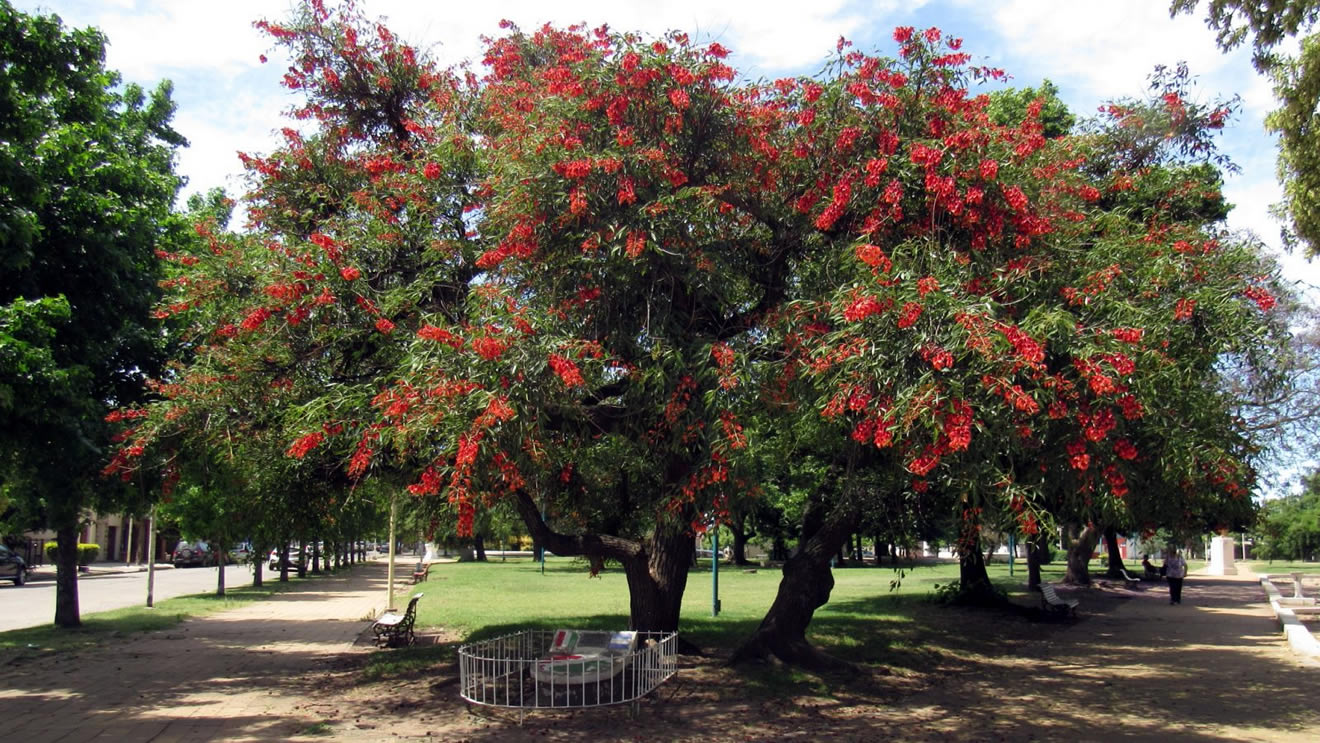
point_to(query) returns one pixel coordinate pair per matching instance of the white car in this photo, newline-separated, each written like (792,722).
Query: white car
(295,559)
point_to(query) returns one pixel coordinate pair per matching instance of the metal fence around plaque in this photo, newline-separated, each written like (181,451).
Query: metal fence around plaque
(521,671)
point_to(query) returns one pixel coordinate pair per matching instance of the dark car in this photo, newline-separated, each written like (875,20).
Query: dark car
(193,554)
(12,566)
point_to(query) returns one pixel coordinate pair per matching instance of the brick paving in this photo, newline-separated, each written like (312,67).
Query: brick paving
(237,675)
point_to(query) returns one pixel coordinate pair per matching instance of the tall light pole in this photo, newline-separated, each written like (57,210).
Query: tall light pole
(389,581)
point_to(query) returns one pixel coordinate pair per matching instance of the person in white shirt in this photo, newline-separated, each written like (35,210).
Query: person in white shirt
(1175,569)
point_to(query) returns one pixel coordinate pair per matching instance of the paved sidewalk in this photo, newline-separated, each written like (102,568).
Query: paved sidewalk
(236,675)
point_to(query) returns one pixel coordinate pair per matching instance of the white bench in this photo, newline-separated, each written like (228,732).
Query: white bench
(1051,601)
(393,629)
(1130,580)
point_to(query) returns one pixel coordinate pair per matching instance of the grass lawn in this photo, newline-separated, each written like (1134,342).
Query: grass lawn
(870,612)
(1280,566)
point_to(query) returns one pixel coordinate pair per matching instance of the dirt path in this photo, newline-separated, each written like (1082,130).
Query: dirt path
(1133,667)
(237,675)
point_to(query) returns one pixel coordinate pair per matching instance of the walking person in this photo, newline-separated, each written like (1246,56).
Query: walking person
(1175,569)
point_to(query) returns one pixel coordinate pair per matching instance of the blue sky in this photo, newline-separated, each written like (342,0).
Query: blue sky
(229,101)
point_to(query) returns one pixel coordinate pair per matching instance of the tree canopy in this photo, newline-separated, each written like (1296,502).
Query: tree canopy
(86,189)
(610,282)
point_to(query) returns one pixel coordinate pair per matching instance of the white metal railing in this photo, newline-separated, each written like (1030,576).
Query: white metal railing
(520,670)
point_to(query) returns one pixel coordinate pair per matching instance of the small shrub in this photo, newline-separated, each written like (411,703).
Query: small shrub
(946,593)
(87,553)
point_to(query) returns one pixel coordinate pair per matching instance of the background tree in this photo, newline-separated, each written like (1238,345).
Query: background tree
(86,188)
(1289,527)
(1267,25)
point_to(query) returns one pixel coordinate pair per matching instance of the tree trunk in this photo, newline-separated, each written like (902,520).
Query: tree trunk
(805,587)
(66,578)
(221,551)
(302,563)
(479,544)
(1036,547)
(1115,561)
(284,563)
(316,557)
(737,526)
(657,577)
(1079,556)
(656,570)
(258,564)
(974,586)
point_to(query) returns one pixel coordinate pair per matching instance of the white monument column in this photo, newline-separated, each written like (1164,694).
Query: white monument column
(1221,556)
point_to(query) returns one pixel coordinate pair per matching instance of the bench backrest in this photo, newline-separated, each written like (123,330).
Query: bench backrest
(412,605)
(1048,591)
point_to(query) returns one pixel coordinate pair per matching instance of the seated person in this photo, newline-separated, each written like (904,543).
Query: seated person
(1152,572)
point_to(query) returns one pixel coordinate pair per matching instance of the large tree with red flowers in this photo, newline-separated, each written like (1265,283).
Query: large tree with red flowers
(587,279)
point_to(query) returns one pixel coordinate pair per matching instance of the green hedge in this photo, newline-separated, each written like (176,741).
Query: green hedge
(87,553)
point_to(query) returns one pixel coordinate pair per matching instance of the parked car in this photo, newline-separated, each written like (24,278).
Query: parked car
(12,566)
(241,555)
(295,559)
(193,554)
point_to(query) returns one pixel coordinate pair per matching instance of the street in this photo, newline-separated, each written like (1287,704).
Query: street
(33,604)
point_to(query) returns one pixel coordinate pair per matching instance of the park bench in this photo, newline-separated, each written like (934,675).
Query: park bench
(1130,580)
(422,573)
(393,629)
(1051,601)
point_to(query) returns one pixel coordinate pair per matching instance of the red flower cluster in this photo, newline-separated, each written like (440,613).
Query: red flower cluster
(937,357)
(1262,297)
(255,319)
(1077,456)
(636,244)
(568,372)
(861,308)
(440,335)
(299,448)
(957,427)
(874,256)
(1128,335)
(489,348)
(1096,427)
(910,314)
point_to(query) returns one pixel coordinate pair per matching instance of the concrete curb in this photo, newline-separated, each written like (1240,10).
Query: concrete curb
(1299,636)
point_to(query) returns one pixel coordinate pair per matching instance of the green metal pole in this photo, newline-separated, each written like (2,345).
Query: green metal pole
(1012,552)
(542,547)
(715,572)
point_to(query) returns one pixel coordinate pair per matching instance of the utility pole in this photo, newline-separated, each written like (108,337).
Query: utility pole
(128,552)
(151,557)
